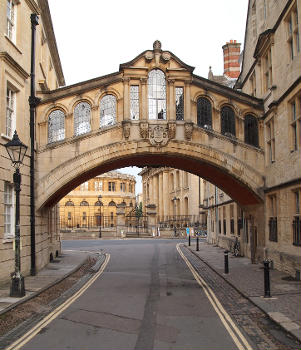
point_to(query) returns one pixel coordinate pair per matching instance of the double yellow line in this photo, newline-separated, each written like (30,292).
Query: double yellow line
(45,321)
(238,338)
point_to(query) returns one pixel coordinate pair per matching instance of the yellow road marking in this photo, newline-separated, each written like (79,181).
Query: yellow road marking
(238,338)
(55,313)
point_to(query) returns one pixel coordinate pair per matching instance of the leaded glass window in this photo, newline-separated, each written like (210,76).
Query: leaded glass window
(179,103)
(134,100)
(251,130)
(10,16)
(156,95)
(69,203)
(8,209)
(84,203)
(10,112)
(82,116)
(204,113)
(56,126)
(227,121)
(108,110)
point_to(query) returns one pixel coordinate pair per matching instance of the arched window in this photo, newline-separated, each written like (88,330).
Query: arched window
(227,121)
(84,203)
(98,204)
(56,126)
(69,203)
(251,130)
(82,115)
(108,110)
(112,204)
(204,113)
(156,94)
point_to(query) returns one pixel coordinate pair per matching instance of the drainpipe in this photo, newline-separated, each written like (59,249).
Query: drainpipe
(33,102)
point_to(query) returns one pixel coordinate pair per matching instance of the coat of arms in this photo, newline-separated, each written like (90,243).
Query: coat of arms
(158,135)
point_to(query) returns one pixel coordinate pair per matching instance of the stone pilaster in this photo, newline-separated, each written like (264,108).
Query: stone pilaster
(126,99)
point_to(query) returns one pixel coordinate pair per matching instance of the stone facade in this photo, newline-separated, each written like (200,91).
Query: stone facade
(15,61)
(82,208)
(271,70)
(176,194)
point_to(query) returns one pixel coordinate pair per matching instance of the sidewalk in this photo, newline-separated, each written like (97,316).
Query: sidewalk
(64,265)
(283,306)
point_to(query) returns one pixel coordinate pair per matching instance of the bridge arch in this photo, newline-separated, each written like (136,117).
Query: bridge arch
(238,179)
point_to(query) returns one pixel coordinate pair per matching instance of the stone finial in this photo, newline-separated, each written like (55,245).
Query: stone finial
(157,45)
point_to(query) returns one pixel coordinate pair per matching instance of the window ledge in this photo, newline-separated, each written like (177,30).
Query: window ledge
(6,137)
(8,239)
(13,44)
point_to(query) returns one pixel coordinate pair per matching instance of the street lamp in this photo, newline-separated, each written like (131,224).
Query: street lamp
(16,151)
(99,200)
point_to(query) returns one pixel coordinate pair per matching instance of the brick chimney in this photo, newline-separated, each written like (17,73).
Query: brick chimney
(231,59)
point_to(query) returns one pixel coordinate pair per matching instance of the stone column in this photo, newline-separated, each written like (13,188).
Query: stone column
(161,209)
(172,103)
(144,98)
(187,112)
(156,191)
(151,190)
(165,193)
(120,222)
(95,118)
(69,126)
(151,214)
(126,99)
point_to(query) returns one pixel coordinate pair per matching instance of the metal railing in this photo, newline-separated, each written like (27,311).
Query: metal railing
(170,221)
(87,222)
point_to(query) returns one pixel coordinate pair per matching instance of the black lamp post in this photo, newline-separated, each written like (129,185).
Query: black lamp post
(99,200)
(16,151)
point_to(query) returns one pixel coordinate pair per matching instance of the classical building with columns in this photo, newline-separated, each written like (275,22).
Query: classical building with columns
(94,202)
(176,194)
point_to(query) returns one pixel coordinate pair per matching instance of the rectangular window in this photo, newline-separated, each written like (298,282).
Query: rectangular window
(273,234)
(134,102)
(111,186)
(267,70)
(8,210)
(293,32)
(296,218)
(10,112)
(10,20)
(270,139)
(84,186)
(295,111)
(179,103)
(122,186)
(98,186)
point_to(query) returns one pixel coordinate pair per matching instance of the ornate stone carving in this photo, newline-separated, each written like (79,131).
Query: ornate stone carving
(149,55)
(171,130)
(157,45)
(143,130)
(158,135)
(188,128)
(126,127)
(165,56)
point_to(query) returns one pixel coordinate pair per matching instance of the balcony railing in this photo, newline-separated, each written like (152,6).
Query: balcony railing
(273,236)
(296,231)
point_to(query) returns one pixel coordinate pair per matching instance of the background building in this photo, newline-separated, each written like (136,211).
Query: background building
(83,207)
(15,64)
(176,194)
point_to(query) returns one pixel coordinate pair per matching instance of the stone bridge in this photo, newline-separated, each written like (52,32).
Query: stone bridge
(154,111)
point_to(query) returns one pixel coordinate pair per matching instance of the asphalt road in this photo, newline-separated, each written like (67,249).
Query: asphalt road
(146,298)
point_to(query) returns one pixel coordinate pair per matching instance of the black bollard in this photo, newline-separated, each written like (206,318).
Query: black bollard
(197,243)
(226,256)
(189,242)
(267,287)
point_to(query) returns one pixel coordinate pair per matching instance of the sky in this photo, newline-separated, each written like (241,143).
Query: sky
(95,36)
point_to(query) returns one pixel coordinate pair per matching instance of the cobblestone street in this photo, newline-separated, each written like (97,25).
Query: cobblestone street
(263,332)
